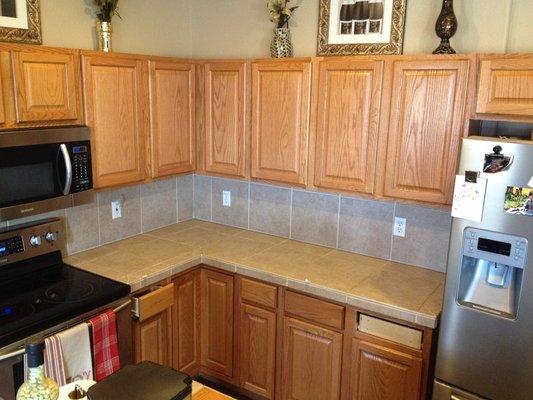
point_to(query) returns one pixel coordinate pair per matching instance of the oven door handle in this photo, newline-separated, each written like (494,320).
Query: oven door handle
(68,169)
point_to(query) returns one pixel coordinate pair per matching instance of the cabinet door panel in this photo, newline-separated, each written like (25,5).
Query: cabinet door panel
(172,118)
(47,87)
(217,322)
(225,118)
(426,125)
(280,121)
(186,322)
(379,373)
(257,350)
(506,86)
(348,124)
(153,339)
(311,362)
(116,106)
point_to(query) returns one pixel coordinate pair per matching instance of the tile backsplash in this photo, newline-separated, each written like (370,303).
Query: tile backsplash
(348,223)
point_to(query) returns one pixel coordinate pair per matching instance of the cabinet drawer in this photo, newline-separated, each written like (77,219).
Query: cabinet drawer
(314,310)
(400,334)
(153,302)
(259,292)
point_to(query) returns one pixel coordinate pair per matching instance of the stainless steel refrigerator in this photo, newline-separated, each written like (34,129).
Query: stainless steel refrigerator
(485,347)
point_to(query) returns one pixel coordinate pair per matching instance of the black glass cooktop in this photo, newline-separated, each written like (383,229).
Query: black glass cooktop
(42,292)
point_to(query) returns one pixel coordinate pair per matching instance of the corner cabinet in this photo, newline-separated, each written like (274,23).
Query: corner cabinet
(428,104)
(172,111)
(281,93)
(349,98)
(116,108)
(506,85)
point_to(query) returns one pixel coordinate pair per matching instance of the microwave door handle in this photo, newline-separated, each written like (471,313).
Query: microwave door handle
(68,169)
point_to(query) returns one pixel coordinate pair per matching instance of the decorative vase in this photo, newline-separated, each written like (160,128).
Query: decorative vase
(281,46)
(446,27)
(103,32)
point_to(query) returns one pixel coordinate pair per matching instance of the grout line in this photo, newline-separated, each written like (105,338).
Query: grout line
(338,222)
(98,219)
(194,195)
(392,232)
(211,198)
(249,202)
(177,200)
(290,216)
(141,208)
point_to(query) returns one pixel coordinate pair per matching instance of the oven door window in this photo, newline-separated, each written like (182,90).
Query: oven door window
(30,173)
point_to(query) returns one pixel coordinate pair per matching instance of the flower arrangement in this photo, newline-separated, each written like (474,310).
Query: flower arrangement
(280,13)
(107,9)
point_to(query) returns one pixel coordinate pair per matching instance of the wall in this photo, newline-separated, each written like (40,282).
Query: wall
(158,27)
(347,223)
(236,28)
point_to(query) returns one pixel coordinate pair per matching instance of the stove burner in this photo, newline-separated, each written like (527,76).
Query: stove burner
(69,292)
(10,313)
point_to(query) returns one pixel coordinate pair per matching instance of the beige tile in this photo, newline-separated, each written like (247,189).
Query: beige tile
(202,197)
(270,209)
(82,227)
(93,254)
(196,237)
(261,237)
(158,204)
(185,191)
(220,228)
(292,246)
(235,248)
(433,305)
(237,214)
(130,222)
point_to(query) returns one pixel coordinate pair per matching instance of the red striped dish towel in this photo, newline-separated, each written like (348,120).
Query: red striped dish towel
(54,364)
(106,358)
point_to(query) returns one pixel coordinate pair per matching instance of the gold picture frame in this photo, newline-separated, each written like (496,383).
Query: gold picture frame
(330,39)
(23,28)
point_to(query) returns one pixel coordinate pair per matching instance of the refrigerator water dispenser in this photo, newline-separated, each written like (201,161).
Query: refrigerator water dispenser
(492,271)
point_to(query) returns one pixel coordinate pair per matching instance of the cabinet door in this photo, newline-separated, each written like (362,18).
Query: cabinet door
(426,125)
(116,101)
(280,120)
(47,87)
(379,373)
(257,350)
(186,323)
(217,322)
(172,118)
(349,95)
(312,359)
(506,86)
(153,338)
(226,128)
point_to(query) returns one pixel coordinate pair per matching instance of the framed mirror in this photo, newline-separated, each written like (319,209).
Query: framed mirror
(20,21)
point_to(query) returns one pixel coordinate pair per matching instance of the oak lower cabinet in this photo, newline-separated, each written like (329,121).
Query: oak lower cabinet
(427,119)
(172,112)
(116,108)
(152,331)
(312,358)
(281,93)
(217,318)
(381,373)
(349,99)
(186,323)
(505,85)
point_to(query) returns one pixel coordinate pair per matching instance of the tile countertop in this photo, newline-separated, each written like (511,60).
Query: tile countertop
(411,294)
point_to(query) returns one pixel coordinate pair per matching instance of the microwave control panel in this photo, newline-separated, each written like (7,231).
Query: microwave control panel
(81,167)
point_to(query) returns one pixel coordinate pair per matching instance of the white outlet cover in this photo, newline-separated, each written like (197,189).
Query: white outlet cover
(226,198)
(116,209)
(399,226)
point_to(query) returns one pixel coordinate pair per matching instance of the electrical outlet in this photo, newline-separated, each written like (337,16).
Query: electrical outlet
(116,209)
(226,198)
(399,226)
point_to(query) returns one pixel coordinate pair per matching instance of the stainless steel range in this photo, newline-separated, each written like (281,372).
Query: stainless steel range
(485,346)
(40,295)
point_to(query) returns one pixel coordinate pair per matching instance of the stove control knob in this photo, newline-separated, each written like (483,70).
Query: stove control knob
(35,240)
(51,237)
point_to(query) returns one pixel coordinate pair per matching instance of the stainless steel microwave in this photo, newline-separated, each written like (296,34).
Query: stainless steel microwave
(43,170)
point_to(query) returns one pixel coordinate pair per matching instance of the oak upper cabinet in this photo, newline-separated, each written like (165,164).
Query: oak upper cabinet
(152,332)
(116,108)
(506,85)
(226,86)
(186,323)
(217,322)
(381,373)
(349,94)
(427,117)
(312,358)
(172,111)
(280,120)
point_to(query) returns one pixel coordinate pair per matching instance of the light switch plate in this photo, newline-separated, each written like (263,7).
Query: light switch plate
(116,209)
(399,226)
(226,198)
